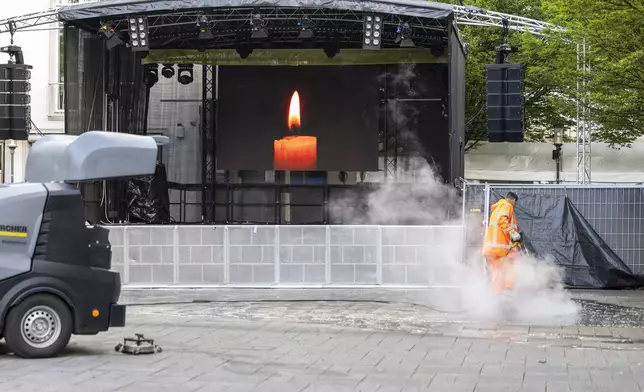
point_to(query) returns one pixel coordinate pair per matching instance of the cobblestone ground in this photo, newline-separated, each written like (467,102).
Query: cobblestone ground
(290,340)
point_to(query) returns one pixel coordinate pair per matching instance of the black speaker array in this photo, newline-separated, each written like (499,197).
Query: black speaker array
(505,99)
(15,112)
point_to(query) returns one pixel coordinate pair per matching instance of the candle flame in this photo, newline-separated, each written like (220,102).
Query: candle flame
(294,111)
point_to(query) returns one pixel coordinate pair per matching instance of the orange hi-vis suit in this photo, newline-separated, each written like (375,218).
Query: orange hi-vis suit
(498,249)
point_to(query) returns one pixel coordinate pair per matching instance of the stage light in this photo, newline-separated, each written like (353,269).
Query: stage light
(244,49)
(306,28)
(185,73)
(331,49)
(403,36)
(139,36)
(373,26)
(257,24)
(168,71)
(112,39)
(204,28)
(151,74)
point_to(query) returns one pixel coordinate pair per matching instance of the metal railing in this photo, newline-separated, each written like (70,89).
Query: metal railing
(270,256)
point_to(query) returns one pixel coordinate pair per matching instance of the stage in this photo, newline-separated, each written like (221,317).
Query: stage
(275,112)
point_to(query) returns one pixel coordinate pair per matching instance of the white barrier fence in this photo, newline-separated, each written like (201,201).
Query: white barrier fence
(273,256)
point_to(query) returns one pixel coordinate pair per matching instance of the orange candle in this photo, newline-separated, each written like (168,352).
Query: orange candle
(296,153)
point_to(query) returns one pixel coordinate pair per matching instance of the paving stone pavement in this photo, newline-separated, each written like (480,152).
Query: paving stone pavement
(293,340)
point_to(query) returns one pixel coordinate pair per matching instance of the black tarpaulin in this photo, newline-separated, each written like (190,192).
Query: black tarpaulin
(148,199)
(101,9)
(552,226)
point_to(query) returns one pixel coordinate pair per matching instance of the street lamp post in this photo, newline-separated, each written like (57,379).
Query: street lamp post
(557,141)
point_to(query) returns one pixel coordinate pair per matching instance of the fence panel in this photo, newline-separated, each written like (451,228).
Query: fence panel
(616,213)
(269,256)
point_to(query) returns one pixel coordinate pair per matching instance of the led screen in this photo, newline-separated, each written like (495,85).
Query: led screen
(306,118)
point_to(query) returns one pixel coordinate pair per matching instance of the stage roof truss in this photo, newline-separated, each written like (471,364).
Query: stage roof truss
(474,16)
(463,15)
(229,26)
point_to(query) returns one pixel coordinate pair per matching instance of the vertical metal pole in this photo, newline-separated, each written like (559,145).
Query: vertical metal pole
(580,163)
(463,224)
(486,207)
(583,132)
(588,144)
(486,221)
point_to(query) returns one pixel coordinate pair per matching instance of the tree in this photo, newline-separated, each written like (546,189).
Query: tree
(550,73)
(613,30)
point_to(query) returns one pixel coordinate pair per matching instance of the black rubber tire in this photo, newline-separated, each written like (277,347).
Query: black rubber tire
(13,328)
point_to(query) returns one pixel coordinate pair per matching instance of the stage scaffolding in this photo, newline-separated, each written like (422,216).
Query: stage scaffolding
(105,89)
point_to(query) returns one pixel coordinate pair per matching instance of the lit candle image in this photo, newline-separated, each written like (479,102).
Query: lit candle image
(295,152)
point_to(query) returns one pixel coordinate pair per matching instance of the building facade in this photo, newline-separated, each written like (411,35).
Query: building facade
(41,46)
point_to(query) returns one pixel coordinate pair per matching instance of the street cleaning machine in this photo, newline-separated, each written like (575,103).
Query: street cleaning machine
(55,267)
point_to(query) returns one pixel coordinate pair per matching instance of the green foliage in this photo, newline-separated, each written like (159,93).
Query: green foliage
(616,79)
(613,30)
(548,103)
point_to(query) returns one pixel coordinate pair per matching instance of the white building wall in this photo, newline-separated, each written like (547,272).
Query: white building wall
(40,48)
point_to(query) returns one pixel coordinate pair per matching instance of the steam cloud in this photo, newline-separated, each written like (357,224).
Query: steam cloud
(418,196)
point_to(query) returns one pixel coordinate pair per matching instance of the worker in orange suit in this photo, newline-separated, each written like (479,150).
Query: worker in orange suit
(502,243)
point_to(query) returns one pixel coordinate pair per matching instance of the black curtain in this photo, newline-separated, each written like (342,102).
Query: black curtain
(456,104)
(92,75)
(84,57)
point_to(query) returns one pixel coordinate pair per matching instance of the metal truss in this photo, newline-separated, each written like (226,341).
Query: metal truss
(30,20)
(391,142)
(584,131)
(230,25)
(208,144)
(474,16)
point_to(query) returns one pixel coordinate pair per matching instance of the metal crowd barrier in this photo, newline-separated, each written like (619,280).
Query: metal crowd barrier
(275,256)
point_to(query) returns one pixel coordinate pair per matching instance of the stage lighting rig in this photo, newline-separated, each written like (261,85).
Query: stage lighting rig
(306,28)
(372,32)
(139,34)
(151,74)
(167,71)
(258,27)
(185,75)
(244,46)
(15,54)
(403,36)
(111,37)
(204,28)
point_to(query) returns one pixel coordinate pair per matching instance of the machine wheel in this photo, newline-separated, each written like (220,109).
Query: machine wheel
(38,327)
